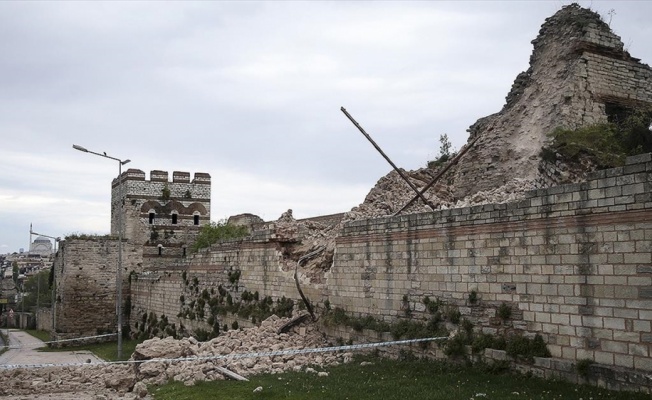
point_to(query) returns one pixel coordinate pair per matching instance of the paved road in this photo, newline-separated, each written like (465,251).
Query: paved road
(26,353)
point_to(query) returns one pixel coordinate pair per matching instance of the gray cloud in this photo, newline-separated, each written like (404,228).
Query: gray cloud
(249,92)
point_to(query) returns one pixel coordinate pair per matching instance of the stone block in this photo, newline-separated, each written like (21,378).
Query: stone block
(603,357)
(643,363)
(638,159)
(593,322)
(637,349)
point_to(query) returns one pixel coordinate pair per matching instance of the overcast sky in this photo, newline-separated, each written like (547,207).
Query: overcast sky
(249,92)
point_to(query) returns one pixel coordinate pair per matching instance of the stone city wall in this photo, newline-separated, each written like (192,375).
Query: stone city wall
(257,260)
(574,263)
(85,278)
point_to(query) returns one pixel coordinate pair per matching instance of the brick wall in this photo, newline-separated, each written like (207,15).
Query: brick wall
(574,262)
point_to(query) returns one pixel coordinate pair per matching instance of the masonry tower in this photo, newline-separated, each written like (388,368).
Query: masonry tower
(161,215)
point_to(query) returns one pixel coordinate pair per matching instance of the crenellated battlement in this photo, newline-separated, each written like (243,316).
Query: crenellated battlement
(132,174)
(159,210)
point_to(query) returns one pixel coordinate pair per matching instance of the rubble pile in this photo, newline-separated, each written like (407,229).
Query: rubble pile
(251,340)
(389,195)
(104,381)
(150,363)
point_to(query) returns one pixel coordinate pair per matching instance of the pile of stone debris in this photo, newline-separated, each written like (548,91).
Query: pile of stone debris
(387,197)
(151,364)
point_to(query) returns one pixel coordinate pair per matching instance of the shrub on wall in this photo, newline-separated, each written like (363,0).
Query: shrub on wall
(504,311)
(524,348)
(216,231)
(627,133)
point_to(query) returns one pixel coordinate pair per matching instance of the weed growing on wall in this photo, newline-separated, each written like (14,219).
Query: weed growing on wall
(431,306)
(234,278)
(211,308)
(165,193)
(521,347)
(152,326)
(432,325)
(89,236)
(504,311)
(583,367)
(473,297)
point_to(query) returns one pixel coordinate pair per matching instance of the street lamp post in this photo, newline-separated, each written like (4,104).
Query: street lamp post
(53,302)
(118,278)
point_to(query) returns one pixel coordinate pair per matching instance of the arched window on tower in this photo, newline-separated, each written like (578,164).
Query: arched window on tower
(152,216)
(175,217)
(195,219)
(160,249)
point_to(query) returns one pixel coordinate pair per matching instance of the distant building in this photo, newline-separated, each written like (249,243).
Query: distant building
(41,246)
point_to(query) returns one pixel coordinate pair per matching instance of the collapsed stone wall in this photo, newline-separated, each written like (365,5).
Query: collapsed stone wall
(573,263)
(579,75)
(578,70)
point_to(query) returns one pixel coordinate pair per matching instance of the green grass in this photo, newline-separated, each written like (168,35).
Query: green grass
(391,380)
(5,340)
(41,335)
(108,351)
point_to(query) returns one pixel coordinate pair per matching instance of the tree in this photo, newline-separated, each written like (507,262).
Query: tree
(15,272)
(445,152)
(444,148)
(216,231)
(36,290)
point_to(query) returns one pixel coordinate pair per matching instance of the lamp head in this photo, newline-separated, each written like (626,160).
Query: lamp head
(125,162)
(78,147)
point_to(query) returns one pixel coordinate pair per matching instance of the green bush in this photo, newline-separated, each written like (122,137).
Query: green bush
(473,297)
(521,347)
(483,341)
(467,326)
(455,347)
(627,133)
(234,276)
(583,366)
(598,141)
(504,311)
(217,231)
(453,315)
(431,306)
